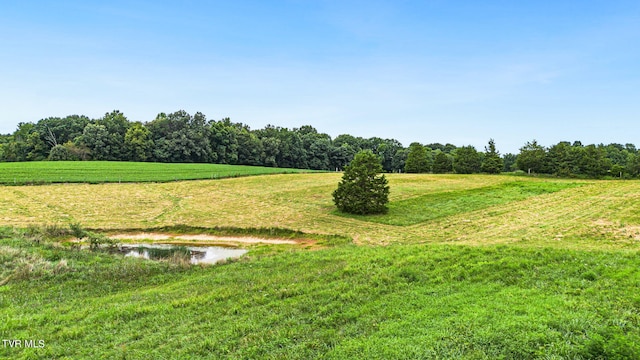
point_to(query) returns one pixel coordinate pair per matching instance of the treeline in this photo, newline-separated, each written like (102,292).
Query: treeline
(181,137)
(563,159)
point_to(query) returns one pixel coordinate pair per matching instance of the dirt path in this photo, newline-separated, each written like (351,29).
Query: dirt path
(200,237)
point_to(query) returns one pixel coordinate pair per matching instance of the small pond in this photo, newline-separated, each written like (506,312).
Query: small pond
(198,254)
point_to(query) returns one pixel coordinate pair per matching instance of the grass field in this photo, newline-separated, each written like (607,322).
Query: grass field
(398,301)
(427,208)
(47,172)
(476,267)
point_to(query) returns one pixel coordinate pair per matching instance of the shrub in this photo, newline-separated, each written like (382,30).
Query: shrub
(362,190)
(55,231)
(98,240)
(33,233)
(95,240)
(60,153)
(77,230)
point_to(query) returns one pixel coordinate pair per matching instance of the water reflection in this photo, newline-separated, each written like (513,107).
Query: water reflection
(198,254)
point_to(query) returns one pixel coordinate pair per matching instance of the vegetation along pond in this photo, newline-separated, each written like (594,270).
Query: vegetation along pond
(197,254)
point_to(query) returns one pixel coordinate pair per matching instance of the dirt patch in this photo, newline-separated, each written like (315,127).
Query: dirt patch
(630,231)
(201,237)
(619,229)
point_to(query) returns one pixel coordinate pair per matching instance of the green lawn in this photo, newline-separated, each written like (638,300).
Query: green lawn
(46,172)
(346,302)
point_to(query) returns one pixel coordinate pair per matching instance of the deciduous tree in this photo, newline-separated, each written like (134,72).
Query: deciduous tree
(137,143)
(60,153)
(417,161)
(531,157)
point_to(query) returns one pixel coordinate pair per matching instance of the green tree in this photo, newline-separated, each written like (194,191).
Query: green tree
(116,125)
(492,163)
(531,157)
(559,159)
(250,148)
(60,153)
(57,131)
(317,147)
(362,189)
(417,161)
(138,143)
(270,150)
(293,154)
(386,149)
(633,165)
(223,141)
(400,160)
(466,160)
(442,163)
(341,156)
(594,161)
(509,161)
(96,138)
(78,152)
(180,137)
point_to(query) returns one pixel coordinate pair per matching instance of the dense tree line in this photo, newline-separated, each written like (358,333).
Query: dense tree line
(182,137)
(575,159)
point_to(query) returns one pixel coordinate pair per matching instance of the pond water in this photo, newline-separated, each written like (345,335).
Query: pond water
(198,254)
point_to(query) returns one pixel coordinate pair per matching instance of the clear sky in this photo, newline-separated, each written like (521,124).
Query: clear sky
(427,71)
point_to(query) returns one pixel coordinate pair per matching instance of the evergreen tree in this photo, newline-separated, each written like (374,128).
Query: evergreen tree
(442,163)
(417,161)
(509,161)
(466,160)
(492,163)
(362,189)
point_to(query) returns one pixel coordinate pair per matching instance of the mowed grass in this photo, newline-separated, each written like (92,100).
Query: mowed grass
(47,172)
(515,210)
(348,302)
(432,206)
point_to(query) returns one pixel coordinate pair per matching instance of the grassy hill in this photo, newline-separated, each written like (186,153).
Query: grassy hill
(474,209)
(47,172)
(475,267)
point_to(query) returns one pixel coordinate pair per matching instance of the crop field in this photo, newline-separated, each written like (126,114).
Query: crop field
(475,267)
(47,172)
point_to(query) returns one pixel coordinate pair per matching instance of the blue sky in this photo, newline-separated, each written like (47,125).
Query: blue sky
(427,71)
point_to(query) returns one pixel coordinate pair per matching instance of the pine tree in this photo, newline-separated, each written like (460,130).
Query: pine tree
(493,163)
(362,190)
